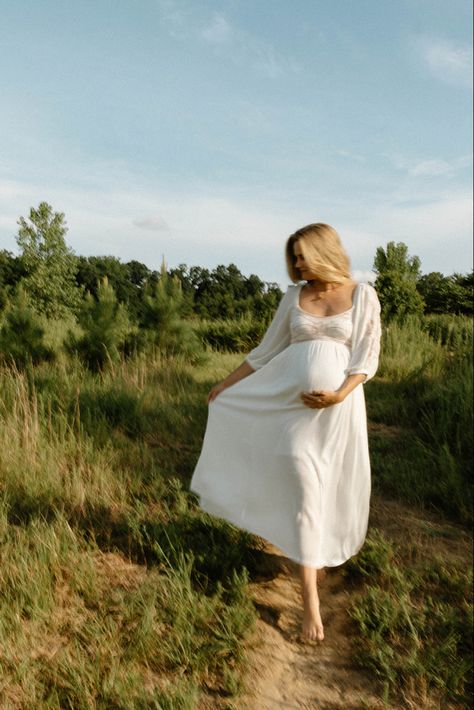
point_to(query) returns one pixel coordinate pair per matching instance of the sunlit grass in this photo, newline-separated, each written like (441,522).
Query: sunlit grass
(108,596)
(116,591)
(414,622)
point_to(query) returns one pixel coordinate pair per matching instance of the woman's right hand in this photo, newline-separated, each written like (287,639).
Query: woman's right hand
(217,389)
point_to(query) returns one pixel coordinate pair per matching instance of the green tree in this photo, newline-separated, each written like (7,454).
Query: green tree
(464,301)
(397,277)
(128,280)
(50,266)
(183,273)
(435,289)
(163,320)
(11,271)
(447,294)
(22,336)
(225,292)
(105,328)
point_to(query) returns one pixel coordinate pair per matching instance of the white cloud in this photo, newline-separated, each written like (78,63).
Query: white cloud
(184,21)
(432,167)
(206,229)
(175,16)
(429,167)
(435,221)
(447,61)
(219,30)
(438,228)
(246,49)
(116,214)
(153,223)
(264,58)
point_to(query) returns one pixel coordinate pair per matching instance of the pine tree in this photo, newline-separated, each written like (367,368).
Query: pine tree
(162,317)
(105,325)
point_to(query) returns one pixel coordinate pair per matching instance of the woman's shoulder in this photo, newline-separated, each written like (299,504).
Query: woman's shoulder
(293,289)
(366,293)
(289,298)
(365,287)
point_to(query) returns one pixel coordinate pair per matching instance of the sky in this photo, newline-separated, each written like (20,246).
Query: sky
(205,132)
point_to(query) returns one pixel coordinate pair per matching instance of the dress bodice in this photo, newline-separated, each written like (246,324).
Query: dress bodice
(358,329)
(308,326)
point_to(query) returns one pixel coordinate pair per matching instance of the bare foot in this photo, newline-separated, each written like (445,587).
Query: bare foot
(312,629)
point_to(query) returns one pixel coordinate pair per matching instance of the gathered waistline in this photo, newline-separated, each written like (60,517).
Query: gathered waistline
(321,338)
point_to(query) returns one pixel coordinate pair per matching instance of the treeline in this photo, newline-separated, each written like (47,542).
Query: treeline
(57,279)
(111,308)
(223,292)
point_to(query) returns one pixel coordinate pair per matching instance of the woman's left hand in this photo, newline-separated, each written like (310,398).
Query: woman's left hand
(319,399)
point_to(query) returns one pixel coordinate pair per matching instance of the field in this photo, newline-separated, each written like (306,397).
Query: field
(117,592)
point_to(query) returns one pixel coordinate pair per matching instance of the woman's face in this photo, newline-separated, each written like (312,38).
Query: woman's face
(300,263)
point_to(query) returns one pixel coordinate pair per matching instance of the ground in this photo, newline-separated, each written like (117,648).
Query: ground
(288,674)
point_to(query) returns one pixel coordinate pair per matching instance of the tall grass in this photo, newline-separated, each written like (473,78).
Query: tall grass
(80,628)
(414,623)
(413,616)
(423,392)
(237,335)
(115,591)
(456,332)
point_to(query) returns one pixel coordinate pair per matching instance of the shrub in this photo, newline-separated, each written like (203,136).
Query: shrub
(22,335)
(238,335)
(105,325)
(162,320)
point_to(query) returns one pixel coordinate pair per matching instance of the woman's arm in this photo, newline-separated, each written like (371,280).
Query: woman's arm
(319,399)
(277,336)
(366,333)
(276,339)
(238,374)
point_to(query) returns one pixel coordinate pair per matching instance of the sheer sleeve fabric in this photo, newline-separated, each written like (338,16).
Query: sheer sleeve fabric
(366,332)
(277,336)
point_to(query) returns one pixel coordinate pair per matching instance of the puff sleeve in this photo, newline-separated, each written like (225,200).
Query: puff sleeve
(366,332)
(277,336)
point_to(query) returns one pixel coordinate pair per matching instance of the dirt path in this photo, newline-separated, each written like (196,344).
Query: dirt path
(288,674)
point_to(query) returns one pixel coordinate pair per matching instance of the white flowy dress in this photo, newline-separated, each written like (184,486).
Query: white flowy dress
(296,476)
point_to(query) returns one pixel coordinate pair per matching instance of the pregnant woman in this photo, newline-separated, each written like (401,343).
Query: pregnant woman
(285,454)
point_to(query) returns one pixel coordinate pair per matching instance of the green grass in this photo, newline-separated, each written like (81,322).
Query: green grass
(79,633)
(414,622)
(413,614)
(92,471)
(117,591)
(421,405)
(239,334)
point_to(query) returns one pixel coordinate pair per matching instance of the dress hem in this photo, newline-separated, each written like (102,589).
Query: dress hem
(317,565)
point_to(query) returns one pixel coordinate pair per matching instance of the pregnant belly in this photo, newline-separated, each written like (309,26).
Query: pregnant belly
(301,367)
(320,364)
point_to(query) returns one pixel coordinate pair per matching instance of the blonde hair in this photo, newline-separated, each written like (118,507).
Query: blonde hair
(323,253)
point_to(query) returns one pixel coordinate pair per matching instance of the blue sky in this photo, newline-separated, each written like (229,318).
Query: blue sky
(208,131)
